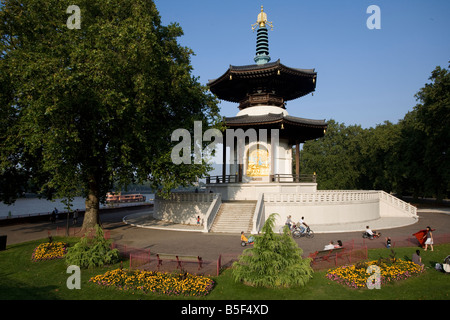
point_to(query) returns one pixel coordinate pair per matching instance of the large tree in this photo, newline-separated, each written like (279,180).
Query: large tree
(433,122)
(410,173)
(409,157)
(334,157)
(378,159)
(84,110)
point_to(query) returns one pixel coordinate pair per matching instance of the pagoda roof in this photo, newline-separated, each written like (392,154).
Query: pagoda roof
(293,128)
(240,81)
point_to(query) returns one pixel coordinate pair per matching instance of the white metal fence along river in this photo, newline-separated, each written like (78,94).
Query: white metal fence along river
(34,206)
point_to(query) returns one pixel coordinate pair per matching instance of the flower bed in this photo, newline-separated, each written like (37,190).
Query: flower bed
(157,282)
(49,251)
(355,276)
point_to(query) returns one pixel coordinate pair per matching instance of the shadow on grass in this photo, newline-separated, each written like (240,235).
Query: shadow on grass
(13,289)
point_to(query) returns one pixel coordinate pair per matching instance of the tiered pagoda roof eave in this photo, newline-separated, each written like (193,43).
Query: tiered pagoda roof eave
(249,120)
(295,129)
(240,81)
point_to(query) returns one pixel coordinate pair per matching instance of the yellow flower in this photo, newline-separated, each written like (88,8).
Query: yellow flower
(149,281)
(49,250)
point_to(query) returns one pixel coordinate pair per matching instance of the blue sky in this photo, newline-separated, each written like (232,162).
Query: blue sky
(364,76)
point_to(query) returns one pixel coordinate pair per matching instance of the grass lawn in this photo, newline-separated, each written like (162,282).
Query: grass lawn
(23,279)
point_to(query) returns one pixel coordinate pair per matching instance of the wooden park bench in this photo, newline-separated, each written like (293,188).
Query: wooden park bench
(326,255)
(179,259)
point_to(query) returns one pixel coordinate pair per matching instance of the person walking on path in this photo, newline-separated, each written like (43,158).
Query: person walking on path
(75,217)
(53,217)
(429,239)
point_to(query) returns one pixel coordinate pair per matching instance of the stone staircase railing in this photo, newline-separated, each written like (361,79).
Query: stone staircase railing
(259,215)
(212,212)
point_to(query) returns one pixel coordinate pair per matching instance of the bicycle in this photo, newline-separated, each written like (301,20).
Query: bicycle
(308,233)
(250,241)
(365,235)
(245,243)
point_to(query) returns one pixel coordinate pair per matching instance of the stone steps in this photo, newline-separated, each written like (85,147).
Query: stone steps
(234,217)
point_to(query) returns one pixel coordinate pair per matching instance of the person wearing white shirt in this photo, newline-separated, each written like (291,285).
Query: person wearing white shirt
(370,232)
(329,246)
(302,224)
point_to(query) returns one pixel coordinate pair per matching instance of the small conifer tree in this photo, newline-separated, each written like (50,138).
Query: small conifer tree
(274,261)
(89,253)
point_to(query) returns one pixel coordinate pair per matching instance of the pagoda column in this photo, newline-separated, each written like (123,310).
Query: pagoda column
(224,158)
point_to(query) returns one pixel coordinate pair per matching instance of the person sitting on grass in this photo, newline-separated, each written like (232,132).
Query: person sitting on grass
(388,242)
(417,259)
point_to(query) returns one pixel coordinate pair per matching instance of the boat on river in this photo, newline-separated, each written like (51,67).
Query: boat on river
(124,198)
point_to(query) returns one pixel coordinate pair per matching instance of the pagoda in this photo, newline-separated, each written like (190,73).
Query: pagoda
(260,141)
(262,91)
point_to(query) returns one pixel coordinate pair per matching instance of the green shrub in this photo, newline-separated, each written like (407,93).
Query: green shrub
(95,252)
(274,261)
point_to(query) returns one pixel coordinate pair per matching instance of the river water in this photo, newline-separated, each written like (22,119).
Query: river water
(34,206)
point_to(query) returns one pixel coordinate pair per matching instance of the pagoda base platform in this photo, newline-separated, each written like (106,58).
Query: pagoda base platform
(324,211)
(329,210)
(251,191)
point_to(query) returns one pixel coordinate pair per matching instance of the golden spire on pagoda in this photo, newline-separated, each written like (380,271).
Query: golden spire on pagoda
(262,20)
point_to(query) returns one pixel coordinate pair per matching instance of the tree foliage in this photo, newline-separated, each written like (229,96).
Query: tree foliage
(410,157)
(84,110)
(332,157)
(433,122)
(90,253)
(274,261)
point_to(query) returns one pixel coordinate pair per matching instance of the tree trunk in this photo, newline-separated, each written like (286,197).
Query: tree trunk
(92,214)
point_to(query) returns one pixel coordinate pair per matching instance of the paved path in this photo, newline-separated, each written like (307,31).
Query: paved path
(211,245)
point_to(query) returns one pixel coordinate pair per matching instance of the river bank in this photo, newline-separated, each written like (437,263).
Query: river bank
(31,204)
(45,217)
